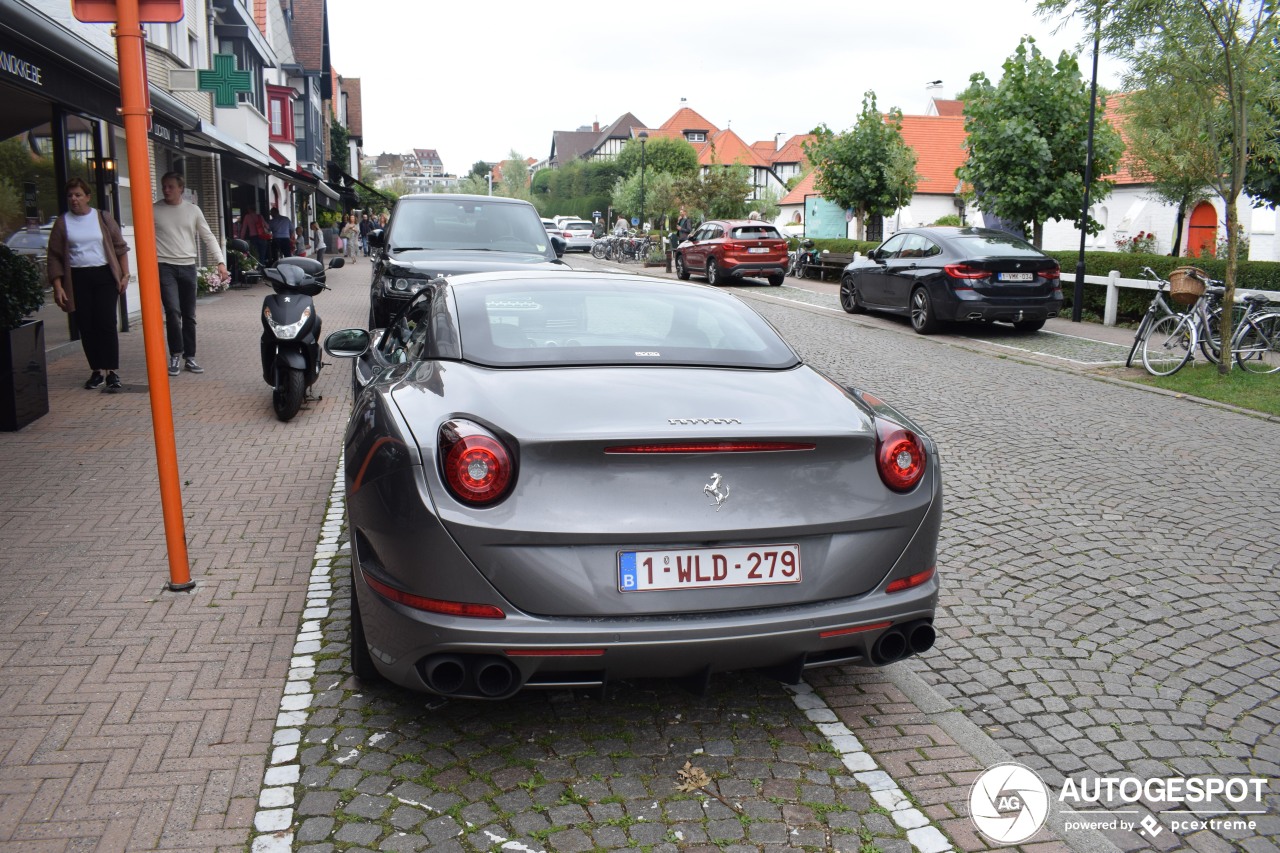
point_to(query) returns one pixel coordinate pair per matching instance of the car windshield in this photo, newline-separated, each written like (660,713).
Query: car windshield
(518,324)
(480,226)
(755,232)
(994,243)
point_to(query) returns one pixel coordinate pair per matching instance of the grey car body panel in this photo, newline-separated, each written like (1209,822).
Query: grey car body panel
(551,547)
(547,554)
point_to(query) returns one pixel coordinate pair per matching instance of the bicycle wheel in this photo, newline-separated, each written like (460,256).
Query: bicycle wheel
(1138,337)
(1257,347)
(599,249)
(1168,346)
(1211,337)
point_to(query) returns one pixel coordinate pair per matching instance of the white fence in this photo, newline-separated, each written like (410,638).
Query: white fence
(1113,282)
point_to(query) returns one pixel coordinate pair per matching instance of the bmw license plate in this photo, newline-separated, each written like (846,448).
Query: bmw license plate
(701,568)
(1016,276)
(757,250)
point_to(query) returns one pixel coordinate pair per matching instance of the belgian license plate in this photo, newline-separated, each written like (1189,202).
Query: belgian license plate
(1016,276)
(701,568)
(757,250)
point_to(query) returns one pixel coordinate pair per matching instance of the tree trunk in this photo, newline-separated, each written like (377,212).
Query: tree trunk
(1037,234)
(1225,325)
(1177,228)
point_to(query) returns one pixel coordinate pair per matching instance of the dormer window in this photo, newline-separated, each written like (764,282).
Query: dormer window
(695,136)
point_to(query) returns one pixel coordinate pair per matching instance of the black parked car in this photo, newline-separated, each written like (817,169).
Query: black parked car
(447,234)
(935,275)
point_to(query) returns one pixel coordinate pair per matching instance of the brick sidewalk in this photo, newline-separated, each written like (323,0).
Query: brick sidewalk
(136,718)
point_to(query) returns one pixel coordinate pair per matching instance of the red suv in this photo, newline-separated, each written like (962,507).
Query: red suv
(722,249)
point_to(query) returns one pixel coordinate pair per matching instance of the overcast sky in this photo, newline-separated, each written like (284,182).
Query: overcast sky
(476,80)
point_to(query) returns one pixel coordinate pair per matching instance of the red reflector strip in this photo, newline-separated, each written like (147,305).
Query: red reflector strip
(712,447)
(434,605)
(857,629)
(554,653)
(914,580)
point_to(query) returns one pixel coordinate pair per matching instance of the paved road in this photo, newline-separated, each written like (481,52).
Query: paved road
(1108,608)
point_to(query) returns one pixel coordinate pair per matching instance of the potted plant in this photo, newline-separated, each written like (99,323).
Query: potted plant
(24,384)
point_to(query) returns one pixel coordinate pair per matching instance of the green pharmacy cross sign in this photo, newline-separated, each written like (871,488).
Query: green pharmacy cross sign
(224,80)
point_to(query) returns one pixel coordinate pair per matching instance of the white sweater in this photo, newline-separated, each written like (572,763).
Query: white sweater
(177,228)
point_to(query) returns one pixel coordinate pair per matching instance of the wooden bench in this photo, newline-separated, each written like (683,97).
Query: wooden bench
(833,263)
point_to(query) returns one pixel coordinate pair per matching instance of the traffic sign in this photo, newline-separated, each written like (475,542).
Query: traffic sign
(149,11)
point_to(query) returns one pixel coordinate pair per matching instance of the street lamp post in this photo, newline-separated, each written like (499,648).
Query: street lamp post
(1077,294)
(643,136)
(489,178)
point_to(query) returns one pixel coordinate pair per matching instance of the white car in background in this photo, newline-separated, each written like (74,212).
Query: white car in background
(578,234)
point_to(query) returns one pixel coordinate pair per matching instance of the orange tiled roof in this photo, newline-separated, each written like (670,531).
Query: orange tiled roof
(949,109)
(802,189)
(728,148)
(686,119)
(939,145)
(793,150)
(1128,170)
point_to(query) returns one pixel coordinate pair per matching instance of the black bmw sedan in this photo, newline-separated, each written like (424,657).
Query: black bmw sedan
(936,275)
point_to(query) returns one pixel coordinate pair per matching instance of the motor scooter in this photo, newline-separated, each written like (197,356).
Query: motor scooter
(290,345)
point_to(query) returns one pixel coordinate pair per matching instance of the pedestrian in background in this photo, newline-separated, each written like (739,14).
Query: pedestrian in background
(281,235)
(317,241)
(180,226)
(350,236)
(89,242)
(253,230)
(366,225)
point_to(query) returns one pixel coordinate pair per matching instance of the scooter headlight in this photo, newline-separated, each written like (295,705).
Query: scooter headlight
(291,330)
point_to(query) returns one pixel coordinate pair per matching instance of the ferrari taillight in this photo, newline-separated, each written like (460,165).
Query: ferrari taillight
(900,456)
(477,466)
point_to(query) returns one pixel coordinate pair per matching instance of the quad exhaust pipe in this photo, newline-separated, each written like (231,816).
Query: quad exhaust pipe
(899,642)
(474,676)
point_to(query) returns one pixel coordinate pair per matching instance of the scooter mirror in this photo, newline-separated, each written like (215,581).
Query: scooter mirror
(334,263)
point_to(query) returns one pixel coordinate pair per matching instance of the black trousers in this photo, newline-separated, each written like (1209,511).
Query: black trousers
(178,295)
(96,299)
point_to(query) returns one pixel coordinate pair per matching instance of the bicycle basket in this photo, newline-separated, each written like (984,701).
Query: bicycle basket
(1184,286)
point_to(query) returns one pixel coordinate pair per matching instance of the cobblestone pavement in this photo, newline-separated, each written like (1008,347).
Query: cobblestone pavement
(1109,560)
(750,766)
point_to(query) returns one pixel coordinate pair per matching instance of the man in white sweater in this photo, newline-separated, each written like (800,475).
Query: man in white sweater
(179,224)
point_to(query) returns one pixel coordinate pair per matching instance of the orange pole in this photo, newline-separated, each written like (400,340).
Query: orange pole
(130,45)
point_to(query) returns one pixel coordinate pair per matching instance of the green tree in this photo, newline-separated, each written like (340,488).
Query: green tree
(660,198)
(1224,53)
(515,178)
(663,154)
(339,144)
(370,201)
(1167,142)
(1026,141)
(1262,180)
(766,204)
(576,188)
(479,168)
(862,168)
(721,193)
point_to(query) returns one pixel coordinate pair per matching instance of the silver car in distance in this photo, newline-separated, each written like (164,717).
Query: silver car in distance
(557,479)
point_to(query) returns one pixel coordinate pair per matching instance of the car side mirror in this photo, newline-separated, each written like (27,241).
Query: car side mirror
(558,243)
(347,343)
(377,238)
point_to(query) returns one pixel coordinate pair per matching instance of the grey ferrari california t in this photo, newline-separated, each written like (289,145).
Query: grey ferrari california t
(556,479)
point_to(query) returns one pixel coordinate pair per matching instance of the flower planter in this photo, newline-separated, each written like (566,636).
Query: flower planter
(24,383)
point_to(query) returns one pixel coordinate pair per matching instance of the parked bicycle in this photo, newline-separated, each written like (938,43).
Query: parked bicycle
(1169,342)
